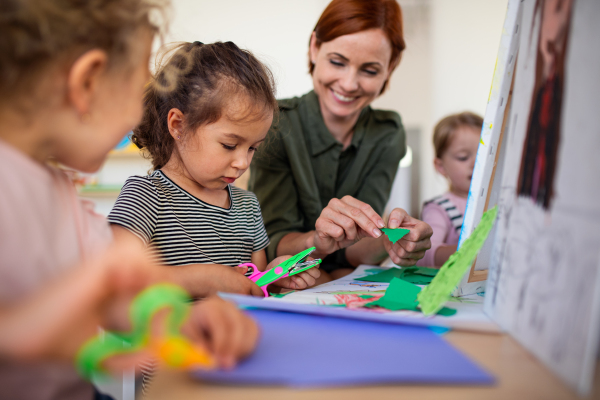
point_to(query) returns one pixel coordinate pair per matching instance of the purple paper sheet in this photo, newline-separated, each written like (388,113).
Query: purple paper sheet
(314,351)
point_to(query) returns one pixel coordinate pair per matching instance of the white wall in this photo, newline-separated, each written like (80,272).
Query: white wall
(274,30)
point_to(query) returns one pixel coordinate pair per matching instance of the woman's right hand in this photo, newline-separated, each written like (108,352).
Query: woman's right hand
(344,222)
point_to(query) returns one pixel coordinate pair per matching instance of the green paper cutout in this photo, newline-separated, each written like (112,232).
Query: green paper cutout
(365,296)
(395,234)
(415,275)
(373,270)
(91,355)
(280,295)
(433,297)
(383,276)
(335,305)
(400,295)
(446,312)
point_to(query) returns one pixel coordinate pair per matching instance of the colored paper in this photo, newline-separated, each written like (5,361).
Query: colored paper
(400,295)
(326,352)
(415,275)
(395,234)
(433,297)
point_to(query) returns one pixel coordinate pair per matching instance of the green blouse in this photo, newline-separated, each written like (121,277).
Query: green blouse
(300,167)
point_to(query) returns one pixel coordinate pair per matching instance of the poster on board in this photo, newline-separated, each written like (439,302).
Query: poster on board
(543,284)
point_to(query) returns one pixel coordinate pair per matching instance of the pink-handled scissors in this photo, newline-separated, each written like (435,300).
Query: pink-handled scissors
(292,266)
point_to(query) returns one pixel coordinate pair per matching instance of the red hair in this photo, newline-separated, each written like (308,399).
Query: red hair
(345,17)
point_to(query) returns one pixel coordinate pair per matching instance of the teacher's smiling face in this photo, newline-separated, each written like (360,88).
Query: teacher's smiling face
(350,71)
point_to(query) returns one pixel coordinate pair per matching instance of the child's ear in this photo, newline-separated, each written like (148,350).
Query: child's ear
(175,123)
(439,166)
(84,79)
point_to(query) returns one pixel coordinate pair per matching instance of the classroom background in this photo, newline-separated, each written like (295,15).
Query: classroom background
(447,67)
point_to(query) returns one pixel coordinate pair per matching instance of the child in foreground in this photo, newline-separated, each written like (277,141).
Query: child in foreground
(72,76)
(209,108)
(455,140)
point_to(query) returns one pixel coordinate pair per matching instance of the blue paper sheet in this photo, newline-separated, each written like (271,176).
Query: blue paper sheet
(314,351)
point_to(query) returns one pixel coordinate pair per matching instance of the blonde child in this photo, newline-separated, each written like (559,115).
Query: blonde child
(72,76)
(455,140)
(209,109)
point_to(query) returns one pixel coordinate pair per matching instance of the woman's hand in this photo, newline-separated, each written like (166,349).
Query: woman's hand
(411,248)
(344,222)
(226,332)
(300,281)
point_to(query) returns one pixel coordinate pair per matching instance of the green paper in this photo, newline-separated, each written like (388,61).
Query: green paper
(421,270)
(433,297)
(415,275)
(400,295)
(280,295)
(383,276)
(446,312)
(365,296)
(373,270)
(395,234)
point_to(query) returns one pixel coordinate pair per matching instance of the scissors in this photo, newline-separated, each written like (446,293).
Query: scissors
(292,266)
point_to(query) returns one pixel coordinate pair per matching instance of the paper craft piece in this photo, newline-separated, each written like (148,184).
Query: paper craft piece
(415,275)
(395,234)
(400,295)
(174,349)
(433,297)
(280,295)
(356,353)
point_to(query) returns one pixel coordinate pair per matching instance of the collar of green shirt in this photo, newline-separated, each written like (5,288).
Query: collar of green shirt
(319,137)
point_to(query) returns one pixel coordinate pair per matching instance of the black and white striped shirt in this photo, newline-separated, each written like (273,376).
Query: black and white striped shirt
(185,230)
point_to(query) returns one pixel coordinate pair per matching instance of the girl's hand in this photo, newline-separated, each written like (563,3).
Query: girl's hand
(225,331)
(222,278)
(300,281)
(411,248)
(344,222)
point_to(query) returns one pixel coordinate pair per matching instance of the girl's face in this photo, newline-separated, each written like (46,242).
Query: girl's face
(115,108)
(217,154)
(350,71)
(457,162)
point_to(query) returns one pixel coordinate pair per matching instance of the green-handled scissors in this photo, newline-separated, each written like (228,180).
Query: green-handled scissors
(292,266)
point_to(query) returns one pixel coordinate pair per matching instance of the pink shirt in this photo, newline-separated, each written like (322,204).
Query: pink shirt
(44,231)
(444,232)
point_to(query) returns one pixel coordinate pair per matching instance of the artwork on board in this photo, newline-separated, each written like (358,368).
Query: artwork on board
(538,164)
(544,279)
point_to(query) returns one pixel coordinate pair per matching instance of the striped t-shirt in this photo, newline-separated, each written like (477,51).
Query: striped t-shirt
(184,229)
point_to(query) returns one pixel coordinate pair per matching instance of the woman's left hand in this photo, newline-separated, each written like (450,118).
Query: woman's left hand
(411,248)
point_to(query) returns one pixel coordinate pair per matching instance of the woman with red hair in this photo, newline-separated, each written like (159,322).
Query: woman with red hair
(325,172)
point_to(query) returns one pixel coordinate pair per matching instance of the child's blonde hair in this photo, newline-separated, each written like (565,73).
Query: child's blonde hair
(443,131)
(36,35)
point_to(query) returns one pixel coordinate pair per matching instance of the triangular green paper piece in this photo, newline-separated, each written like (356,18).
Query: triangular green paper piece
(365,296)
(280,295)
(383,276)
(395,234)
(433,297)
(400,295)
(417,279)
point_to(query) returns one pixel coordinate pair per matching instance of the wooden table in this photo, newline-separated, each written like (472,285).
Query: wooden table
(519,377)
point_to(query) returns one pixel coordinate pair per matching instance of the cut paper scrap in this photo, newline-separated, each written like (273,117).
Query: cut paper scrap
(172,348)
(433,297)
(362,353)
(402,295)
(416,275)
(395,234)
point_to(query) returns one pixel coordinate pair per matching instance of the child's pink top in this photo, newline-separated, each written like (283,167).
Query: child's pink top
(444,228)
(44,231)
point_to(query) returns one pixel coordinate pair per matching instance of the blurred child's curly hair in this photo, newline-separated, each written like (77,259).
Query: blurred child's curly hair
(38,35)
(199,80)
(443,131)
